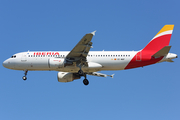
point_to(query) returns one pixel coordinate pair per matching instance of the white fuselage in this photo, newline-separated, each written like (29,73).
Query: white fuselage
(97,61)
(110,60)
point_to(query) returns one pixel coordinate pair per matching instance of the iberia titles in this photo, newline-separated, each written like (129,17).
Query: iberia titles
(46,53)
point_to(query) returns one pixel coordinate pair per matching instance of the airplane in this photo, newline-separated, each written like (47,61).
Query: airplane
(80,61)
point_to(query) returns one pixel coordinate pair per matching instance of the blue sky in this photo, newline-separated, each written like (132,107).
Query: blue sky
(149,93)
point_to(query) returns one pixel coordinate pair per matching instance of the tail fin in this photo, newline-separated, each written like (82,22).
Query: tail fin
(155,50)
(160,40)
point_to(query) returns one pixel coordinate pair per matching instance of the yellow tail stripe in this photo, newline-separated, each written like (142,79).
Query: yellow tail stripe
(166,28)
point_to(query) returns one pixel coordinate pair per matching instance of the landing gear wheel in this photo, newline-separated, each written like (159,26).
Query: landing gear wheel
(80,72)
(86,82)
(25,73)
(24,77)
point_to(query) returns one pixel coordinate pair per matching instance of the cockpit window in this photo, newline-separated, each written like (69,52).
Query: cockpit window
(14,56)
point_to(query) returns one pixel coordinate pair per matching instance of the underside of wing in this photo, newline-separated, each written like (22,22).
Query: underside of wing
(82,48)
(79,53)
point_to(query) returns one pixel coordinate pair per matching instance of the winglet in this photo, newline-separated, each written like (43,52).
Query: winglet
(111,75)
(93,32)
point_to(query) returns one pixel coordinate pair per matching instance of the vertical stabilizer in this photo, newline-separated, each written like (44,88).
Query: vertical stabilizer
(160,40)
(155,50)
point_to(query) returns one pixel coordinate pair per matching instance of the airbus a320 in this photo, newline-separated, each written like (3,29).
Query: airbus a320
(80,61)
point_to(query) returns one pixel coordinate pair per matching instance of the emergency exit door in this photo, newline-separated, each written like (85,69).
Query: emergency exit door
(138,56)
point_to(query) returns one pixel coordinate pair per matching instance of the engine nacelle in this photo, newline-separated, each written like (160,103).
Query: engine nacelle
(56,62)
(67,77)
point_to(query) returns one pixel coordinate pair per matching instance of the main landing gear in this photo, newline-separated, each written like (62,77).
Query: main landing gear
(25,73)
(81,73)
(85,81)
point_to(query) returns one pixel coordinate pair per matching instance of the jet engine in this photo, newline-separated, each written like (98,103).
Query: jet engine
(56,62)
(67,77)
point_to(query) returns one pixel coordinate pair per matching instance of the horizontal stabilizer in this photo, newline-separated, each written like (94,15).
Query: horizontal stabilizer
(169,60)
(163,52)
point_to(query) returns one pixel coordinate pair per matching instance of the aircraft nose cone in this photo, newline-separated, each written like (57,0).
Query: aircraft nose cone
(5,64)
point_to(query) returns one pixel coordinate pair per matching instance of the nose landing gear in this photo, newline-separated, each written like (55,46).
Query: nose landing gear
(25,73)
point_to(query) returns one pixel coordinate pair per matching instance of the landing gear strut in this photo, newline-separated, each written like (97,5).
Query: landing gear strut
(81,73)
(85,81)
(25,73)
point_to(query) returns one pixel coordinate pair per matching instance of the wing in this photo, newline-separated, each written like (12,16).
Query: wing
(100,74)
(79,53)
